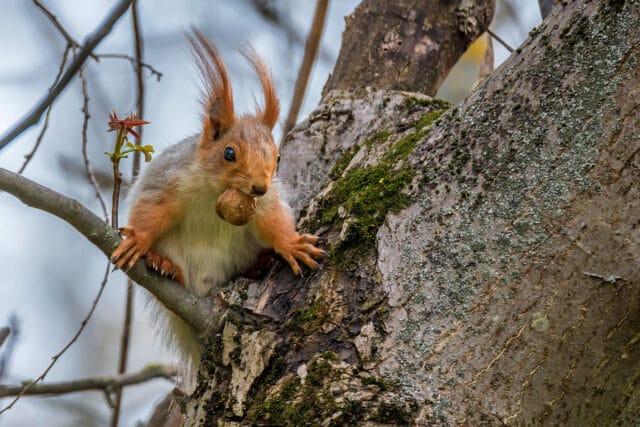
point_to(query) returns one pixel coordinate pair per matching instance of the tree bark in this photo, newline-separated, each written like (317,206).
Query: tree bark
(482,265)
(406,45)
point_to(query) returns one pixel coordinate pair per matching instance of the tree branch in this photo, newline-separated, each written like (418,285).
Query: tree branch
(106,383)
(90,43)
(199,313)
(405,44)
(309,58)
(128,312)
(29,156)
(26,387)
(135,62)
(54,20)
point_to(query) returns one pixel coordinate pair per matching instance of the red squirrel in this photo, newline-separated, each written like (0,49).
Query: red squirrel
(173,221)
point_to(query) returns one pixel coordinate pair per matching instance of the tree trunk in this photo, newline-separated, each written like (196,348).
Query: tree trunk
(406,45)
(482,265)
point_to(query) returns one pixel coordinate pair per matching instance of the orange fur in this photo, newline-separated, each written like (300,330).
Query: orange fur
(276,228)
(268,115)
(148,221)
(256,157)
(219,112)
(173,223)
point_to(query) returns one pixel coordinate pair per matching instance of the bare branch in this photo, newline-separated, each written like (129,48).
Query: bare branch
(54,20)
(90,43)
(310,55)
(138,64)
(499,40)
(486,67)
(135,62)
(106,383)
(29,156)
(54,359)
(268,11)
(85,156)
(199,313)
(128,313)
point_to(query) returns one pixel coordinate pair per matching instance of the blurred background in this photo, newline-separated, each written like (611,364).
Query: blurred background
(50,274)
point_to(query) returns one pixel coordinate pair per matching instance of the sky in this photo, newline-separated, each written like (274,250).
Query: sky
(50,273)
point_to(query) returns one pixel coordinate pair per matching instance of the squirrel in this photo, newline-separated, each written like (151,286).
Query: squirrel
(173,221)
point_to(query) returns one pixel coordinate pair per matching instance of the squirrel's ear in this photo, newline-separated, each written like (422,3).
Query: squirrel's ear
(269,115)
(218,97)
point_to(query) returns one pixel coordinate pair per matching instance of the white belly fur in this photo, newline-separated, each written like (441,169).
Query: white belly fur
(209,251)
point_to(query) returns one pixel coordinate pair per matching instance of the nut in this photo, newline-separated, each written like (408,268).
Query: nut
(235,207)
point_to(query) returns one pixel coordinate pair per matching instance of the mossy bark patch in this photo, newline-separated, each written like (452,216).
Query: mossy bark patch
(362,195)
(327,393)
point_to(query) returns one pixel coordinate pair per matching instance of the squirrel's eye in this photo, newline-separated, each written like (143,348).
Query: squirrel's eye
(229,154)
(278,158)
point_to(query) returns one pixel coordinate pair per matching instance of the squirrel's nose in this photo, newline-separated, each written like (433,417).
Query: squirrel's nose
(259,190)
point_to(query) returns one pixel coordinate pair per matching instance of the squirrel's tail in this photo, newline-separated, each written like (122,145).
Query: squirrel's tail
(180,340)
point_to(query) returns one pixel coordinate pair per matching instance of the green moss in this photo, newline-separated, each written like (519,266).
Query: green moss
(427,119)
(303,404)
(362,197)
(343,162)
(278,410)
(319,371)
(377,138)
(382,383)
(304,319)
(271,374)
(438,104)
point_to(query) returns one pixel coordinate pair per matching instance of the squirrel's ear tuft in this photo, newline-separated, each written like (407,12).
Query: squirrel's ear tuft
(218,97)
(269,114)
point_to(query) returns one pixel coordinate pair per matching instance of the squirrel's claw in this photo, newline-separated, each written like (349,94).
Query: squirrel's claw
(126,254)
(164,266)
(302,249)
(130,250)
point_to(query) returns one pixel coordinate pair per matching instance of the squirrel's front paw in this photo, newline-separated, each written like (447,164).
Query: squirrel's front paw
(301,248)
(131,248)
(164,266)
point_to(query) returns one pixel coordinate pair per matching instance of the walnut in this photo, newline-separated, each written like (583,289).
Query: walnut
(235,207)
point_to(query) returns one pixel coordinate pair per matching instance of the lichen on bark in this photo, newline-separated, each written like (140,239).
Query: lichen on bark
(498,287)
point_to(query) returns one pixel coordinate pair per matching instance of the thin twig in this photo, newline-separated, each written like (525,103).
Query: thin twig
(105,383)
(85,156)
(29,156)
(90,43)
(128,314)
(115,195)
(268,11)
(71,42)
(55,358)
(499,40)
(135,62)
(124,351)
(139,49)
(309,58)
